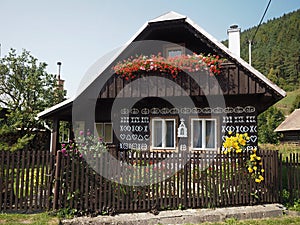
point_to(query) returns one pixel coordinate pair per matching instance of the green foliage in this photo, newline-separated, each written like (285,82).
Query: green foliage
(286,103)
(267,123)
(65,213)
(275,51)
(25,90)
(296,104)
(296,205)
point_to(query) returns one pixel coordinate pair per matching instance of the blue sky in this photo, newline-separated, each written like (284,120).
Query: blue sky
(78,32)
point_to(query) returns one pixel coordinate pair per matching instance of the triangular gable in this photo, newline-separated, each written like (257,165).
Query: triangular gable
(170,16)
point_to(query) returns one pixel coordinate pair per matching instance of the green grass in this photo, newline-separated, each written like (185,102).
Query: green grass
(46,219)
(27,178)
(34,219)
(286,103)
(291,220)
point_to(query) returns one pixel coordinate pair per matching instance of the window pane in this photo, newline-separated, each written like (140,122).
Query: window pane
(210,134)
(197,134)
(174,52)
(157,133)
(99,130)
(170,134)
(108,133)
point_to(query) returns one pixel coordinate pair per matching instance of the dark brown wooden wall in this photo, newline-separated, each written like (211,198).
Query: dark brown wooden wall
(232,81)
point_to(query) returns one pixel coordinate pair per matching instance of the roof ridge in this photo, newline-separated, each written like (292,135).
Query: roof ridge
(171,15)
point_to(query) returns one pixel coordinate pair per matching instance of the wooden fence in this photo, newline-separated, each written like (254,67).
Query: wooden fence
(147,181)
(25,180)
(163,181)
(289,180)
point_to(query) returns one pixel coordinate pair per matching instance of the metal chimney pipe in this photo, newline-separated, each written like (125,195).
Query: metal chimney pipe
(59,67)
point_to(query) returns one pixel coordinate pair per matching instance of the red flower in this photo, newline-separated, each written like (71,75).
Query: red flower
(173,66)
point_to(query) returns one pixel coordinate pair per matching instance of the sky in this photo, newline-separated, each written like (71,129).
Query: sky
(78,32)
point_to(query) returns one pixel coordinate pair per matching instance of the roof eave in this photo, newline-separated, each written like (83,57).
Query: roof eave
(48,112)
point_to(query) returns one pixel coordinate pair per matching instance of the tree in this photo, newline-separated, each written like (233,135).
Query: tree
(267,123)
(25,90)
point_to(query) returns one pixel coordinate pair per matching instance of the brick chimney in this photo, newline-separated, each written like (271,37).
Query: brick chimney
(60,82)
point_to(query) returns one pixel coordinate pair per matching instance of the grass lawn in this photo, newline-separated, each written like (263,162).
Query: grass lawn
(286,103)
(45,219)
(291,220)
(36,219)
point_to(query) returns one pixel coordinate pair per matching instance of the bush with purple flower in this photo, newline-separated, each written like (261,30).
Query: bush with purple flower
(86,145)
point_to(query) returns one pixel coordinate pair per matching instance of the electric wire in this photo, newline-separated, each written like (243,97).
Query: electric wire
(251,40)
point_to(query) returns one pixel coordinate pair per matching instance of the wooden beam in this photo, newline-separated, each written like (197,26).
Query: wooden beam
(55,136)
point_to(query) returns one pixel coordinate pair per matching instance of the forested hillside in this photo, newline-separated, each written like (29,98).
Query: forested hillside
(276,54)
(276,49)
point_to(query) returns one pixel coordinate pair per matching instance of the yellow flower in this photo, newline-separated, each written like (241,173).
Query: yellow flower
(252,157)
(243,142)
(261,177)
(257,180)
(255,168)
(250,170)
(229,132)
(262,170)
(258,158)
(260,163)
(254,150)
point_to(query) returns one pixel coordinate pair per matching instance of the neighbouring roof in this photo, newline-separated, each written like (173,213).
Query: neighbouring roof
(170,16)
(291,123)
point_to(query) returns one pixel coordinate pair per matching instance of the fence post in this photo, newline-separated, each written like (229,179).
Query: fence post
(280,189)
(185,179)
(57,180)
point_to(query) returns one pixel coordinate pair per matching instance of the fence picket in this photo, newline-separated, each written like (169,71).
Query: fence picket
(12,182)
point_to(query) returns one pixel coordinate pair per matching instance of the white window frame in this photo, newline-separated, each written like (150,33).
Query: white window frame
(164,132)
(103,131)
(204,144)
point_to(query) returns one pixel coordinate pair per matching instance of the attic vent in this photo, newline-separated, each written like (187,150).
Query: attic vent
(173,50)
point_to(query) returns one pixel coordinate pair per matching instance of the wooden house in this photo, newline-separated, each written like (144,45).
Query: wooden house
(155,110)
(290,128)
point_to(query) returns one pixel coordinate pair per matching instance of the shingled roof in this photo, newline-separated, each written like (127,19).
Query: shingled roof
(291,123)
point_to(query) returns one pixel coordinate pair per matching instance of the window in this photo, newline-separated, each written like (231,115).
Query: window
(64,132)
(203,134)
(105,131)
(64,135)
(163,134)
(173,50)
